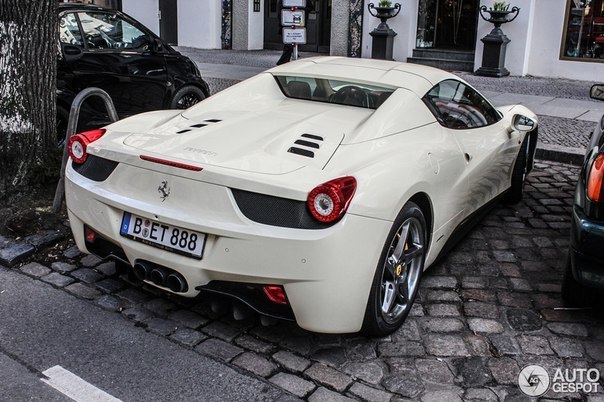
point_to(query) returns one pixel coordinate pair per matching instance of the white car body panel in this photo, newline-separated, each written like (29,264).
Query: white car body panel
(396,152)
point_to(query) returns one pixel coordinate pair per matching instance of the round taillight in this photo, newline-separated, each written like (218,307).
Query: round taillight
(78,143)
(328,202)
(77,149)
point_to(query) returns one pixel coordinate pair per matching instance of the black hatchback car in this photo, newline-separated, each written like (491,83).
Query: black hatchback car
(107,49)
(584,277)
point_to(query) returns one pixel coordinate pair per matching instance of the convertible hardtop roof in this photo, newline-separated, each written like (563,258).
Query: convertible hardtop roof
(417,78)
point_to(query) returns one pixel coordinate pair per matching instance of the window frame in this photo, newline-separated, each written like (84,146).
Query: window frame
(563,39)
(440,118)
(327,82)
(75,14)
(120,15)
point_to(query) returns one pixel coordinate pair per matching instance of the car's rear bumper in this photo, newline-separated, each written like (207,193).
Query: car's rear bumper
(326,273)
(587,249)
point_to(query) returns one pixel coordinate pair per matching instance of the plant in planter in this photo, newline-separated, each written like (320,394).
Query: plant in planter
(498,13)
(500,6)
(384,10)
(495,43)
(383,36)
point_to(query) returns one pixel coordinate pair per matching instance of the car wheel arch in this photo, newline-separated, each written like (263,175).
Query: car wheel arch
(423,201)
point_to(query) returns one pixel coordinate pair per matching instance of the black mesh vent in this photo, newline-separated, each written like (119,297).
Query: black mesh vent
(250,294)
(276,211)
(95,168)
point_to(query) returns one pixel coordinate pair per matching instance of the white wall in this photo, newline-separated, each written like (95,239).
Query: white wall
(144,11)
(404,24)
(545,49)
(255,27)
(199,23)
(518,31)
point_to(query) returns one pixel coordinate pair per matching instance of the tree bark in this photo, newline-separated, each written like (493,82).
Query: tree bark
(28,60)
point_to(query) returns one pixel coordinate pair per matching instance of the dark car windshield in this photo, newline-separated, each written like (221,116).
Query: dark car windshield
(334,91)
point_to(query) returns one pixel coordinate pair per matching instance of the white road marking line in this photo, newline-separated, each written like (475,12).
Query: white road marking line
(74,387)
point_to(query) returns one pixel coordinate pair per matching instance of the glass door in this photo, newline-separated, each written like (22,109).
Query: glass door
(447,24)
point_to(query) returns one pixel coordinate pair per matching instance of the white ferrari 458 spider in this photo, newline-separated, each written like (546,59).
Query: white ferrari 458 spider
(318,191)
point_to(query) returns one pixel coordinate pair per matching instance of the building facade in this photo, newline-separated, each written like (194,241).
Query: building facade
(550,38)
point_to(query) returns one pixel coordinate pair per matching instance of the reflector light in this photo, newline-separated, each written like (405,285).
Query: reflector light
(89,234)
(595,179)
(328,202)
(276,294)
(171,163)
(78,143)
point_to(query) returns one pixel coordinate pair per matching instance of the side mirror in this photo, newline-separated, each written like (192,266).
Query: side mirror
(597,92)
(156,45)
(523,123)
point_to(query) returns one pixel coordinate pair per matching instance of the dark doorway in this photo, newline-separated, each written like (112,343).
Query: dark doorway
(168,21)
(447,24)
(318,26)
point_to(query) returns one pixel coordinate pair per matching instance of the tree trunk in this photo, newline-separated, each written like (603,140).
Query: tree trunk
(28,60)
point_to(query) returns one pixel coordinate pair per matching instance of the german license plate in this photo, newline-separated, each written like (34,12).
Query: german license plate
(167,237)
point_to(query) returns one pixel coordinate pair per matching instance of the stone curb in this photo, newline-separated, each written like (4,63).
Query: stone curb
(557,153)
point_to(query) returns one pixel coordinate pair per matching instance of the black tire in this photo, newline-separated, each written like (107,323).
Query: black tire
(61,126)
(186,97)
(391,273)
(575,294)
(516,190)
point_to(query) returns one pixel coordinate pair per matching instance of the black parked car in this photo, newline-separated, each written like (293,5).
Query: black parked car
(107,49)
(584,276)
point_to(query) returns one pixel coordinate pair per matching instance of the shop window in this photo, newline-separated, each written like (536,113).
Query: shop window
(583,37)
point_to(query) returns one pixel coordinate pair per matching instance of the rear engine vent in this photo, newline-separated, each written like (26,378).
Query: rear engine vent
(315,144)
(300,151)
(198,125)
(307,144)
(313,137)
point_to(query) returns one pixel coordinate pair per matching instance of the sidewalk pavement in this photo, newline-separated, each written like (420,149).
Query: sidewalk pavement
(567,114)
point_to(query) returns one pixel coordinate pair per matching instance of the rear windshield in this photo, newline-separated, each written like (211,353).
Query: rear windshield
(333,91)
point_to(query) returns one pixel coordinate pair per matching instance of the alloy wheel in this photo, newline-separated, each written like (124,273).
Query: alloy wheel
(402,270)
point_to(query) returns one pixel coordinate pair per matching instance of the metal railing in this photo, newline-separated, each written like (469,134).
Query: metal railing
(72,124)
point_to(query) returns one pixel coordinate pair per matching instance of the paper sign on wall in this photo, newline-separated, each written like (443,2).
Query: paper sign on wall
(294,35)
(293,18)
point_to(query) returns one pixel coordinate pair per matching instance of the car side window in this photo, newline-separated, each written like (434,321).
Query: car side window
(110,31)
(458,106)
(69,31)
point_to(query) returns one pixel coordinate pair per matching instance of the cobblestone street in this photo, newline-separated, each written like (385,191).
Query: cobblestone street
(488,309)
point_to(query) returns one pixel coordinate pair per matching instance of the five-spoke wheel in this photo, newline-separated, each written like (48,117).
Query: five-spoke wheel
(398,273)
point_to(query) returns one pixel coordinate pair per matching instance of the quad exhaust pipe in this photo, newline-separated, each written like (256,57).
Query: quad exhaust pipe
(160,276)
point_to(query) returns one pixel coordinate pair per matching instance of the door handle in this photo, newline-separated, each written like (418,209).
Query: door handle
(467,156)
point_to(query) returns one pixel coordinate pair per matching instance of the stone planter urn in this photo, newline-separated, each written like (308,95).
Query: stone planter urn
(495,43)
(383,36)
